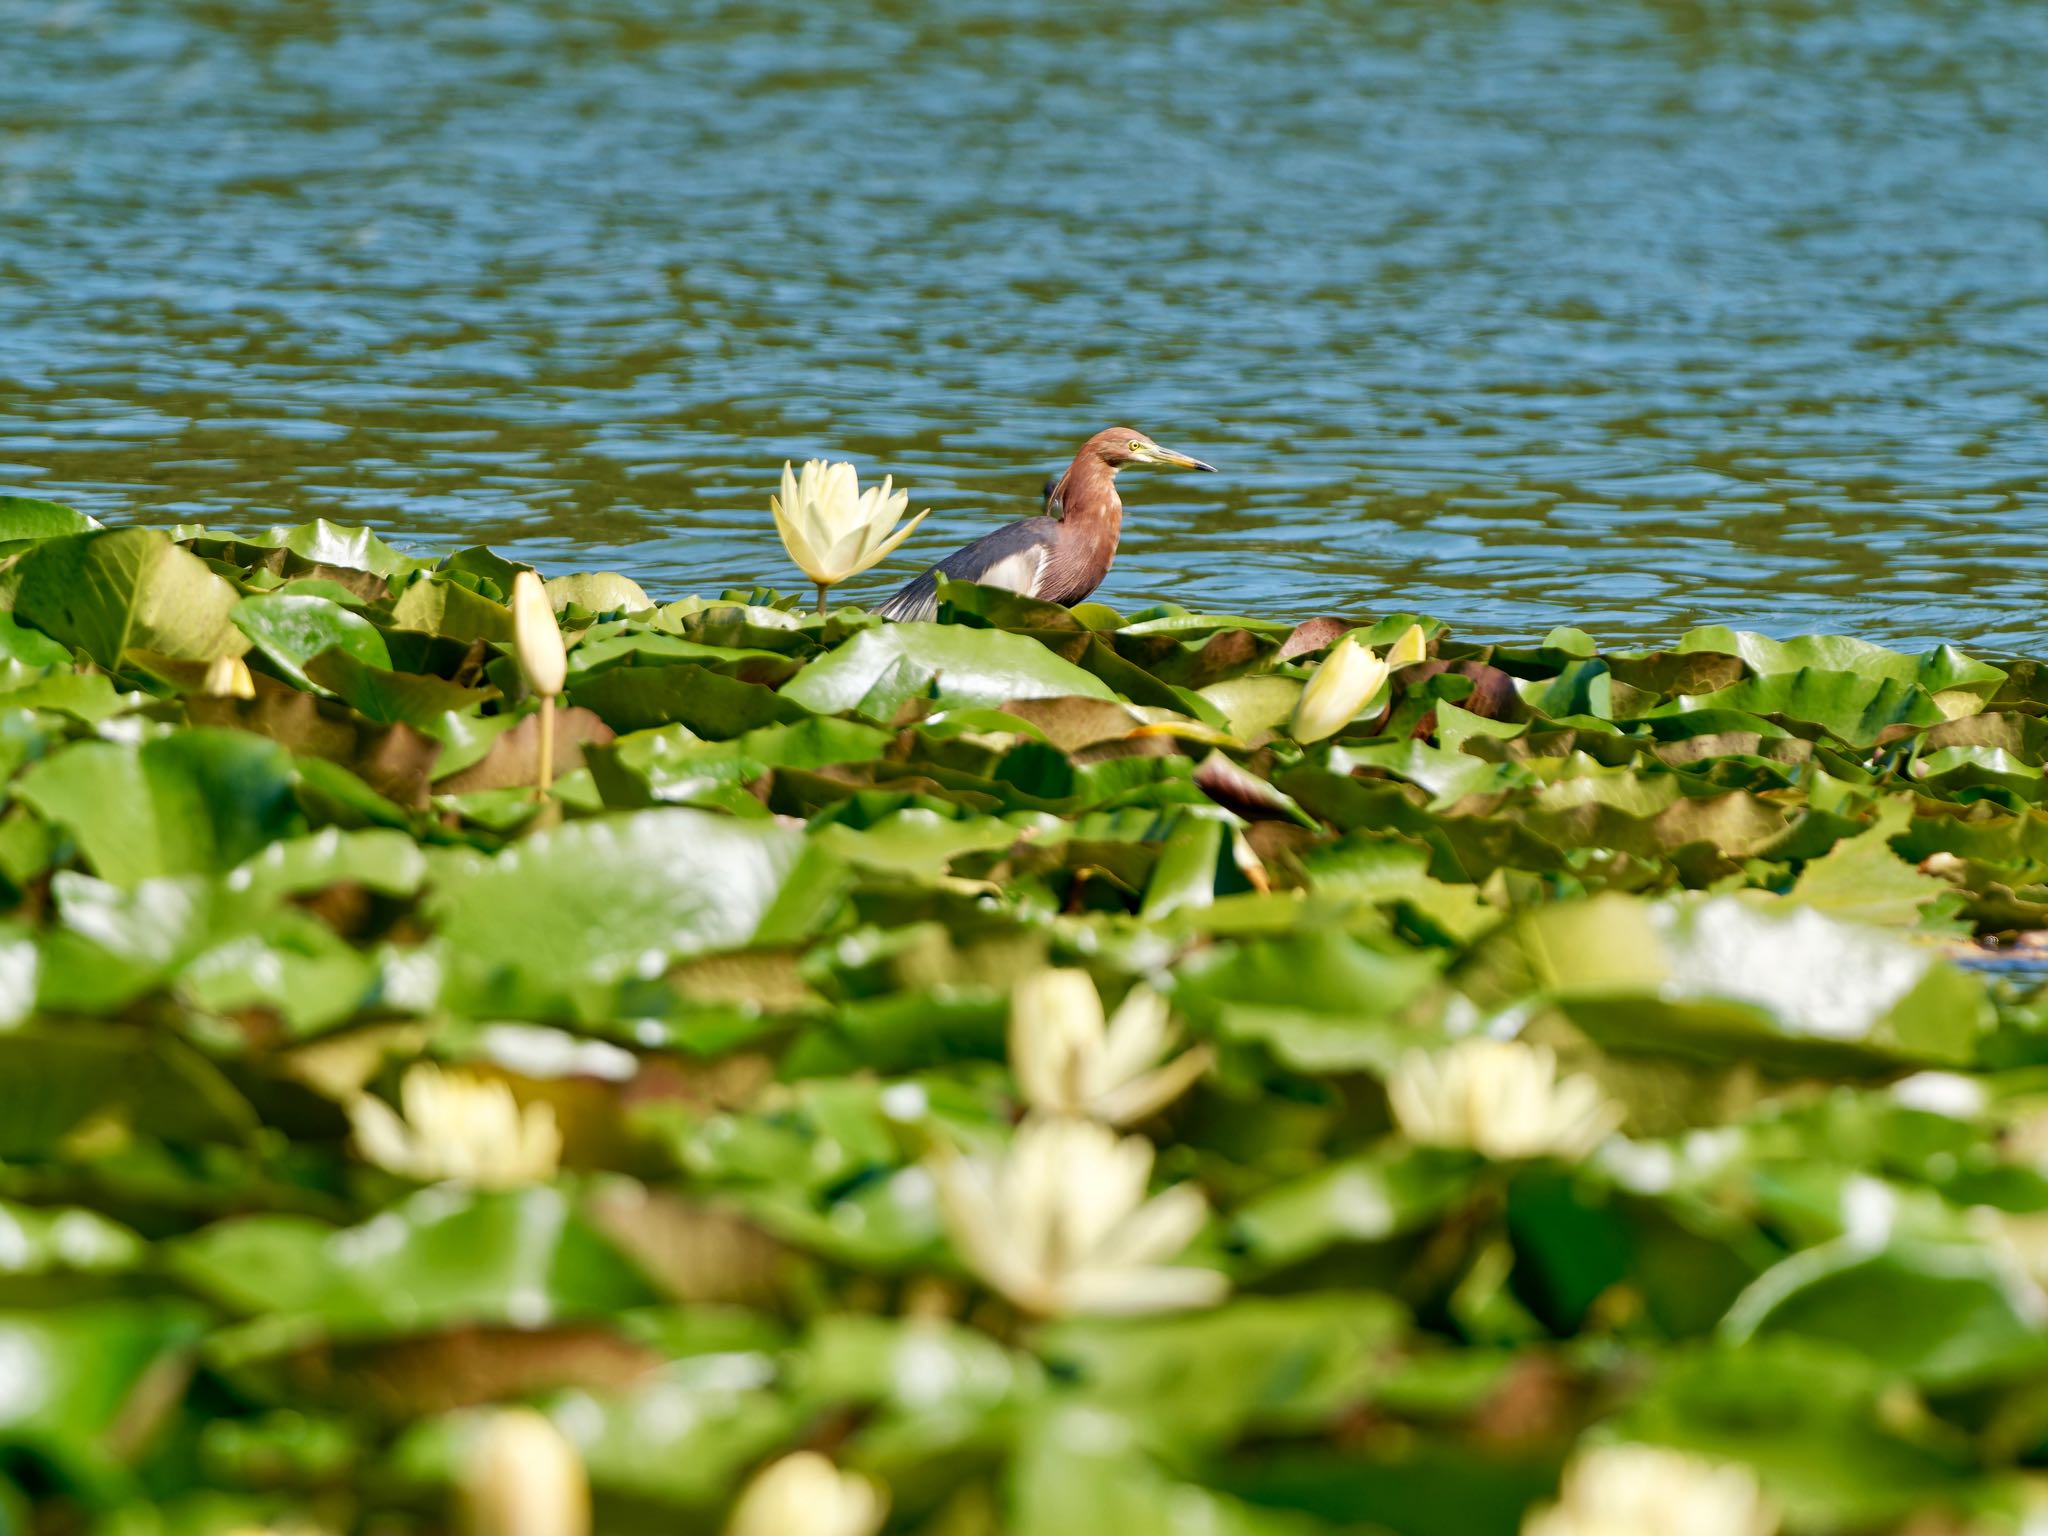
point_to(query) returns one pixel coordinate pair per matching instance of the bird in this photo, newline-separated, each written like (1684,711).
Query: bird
(1062,555)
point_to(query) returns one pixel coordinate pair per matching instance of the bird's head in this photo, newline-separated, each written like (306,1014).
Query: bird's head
(1126,445)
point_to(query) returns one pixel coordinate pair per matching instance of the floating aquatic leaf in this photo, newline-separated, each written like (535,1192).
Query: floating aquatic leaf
(113,590)
(878,669)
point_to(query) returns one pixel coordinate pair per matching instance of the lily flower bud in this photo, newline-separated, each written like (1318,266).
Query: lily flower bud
(523,1478)
(805,1495)
(536,637)
(1342,686)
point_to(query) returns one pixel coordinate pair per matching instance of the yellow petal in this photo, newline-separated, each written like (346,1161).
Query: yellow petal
(887,547)
(1412,647)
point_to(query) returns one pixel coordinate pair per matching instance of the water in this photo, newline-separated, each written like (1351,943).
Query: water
(1633,315)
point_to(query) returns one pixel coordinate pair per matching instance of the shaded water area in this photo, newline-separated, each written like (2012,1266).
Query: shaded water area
(1632,315)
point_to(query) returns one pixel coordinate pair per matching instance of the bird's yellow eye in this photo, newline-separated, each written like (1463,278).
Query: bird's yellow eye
(1136,445)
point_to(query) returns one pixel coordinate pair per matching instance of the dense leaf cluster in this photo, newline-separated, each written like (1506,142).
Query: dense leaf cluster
(755,953)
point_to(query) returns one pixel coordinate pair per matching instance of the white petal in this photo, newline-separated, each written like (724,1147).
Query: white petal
(1145,1096)
(1128,1292)
(1137,1037)
(1157,1231)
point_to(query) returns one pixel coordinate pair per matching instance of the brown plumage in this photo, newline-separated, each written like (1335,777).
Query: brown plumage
(1061,556)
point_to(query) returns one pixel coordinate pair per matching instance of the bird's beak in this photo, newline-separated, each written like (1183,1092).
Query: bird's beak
(1154,454)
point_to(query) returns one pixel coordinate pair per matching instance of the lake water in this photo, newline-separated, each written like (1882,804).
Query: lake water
(1633,315)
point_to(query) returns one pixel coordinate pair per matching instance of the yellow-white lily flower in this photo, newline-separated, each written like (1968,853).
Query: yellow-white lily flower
(832,528)
(522,1477)
(536,637)
(458,1126)
(1642,1490)
(1069,1060)
(1061,1224)
(1337,690)
(1501,1098)
(805,1495)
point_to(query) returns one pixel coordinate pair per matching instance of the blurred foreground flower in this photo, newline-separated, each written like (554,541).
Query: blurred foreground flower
(1338,689)
(543,659)
(1642,1490)
(833,529)
(458,1125)
(1061,1224)
(227,677)
(522,1477)
(805,1495)
(1501,1098)
(1070,1061)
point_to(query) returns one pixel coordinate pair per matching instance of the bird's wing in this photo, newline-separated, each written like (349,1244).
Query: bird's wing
(1013,557)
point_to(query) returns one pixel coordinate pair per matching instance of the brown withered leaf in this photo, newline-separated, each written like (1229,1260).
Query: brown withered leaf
(723,1082)
(438,1373)
(364,584)
(1236,789)
(514,758)
(1131,746)
(1077,721)
(1224,654)
(1311,635)
(394,760)
(693,1251)
(770,980)
(1671,673)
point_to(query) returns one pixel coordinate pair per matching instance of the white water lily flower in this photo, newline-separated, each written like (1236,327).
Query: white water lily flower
(805,1495)
(1337,690)
(461,1126)
(522,1477)
(1069,1060)
(536,637)
(1501,1098)
(833,529)
(1643,1490)
(1061,1224)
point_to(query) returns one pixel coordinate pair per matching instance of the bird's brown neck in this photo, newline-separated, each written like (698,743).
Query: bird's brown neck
(1088,498)
(1091,518)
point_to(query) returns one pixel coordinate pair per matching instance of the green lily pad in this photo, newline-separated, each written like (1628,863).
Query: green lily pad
(112,590)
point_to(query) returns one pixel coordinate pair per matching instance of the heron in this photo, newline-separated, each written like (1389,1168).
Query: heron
(1062,555)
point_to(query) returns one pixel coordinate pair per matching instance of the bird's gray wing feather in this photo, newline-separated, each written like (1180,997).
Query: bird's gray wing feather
(1012,557)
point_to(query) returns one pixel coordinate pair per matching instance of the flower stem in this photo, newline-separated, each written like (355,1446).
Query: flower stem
(547,746)
(822,590)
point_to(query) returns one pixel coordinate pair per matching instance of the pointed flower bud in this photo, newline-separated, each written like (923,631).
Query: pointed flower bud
(1411,647)
(522,1477)
(1341,687)
(536,637)
(805,1495)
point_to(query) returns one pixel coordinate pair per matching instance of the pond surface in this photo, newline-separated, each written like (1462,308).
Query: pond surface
(1633,315)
